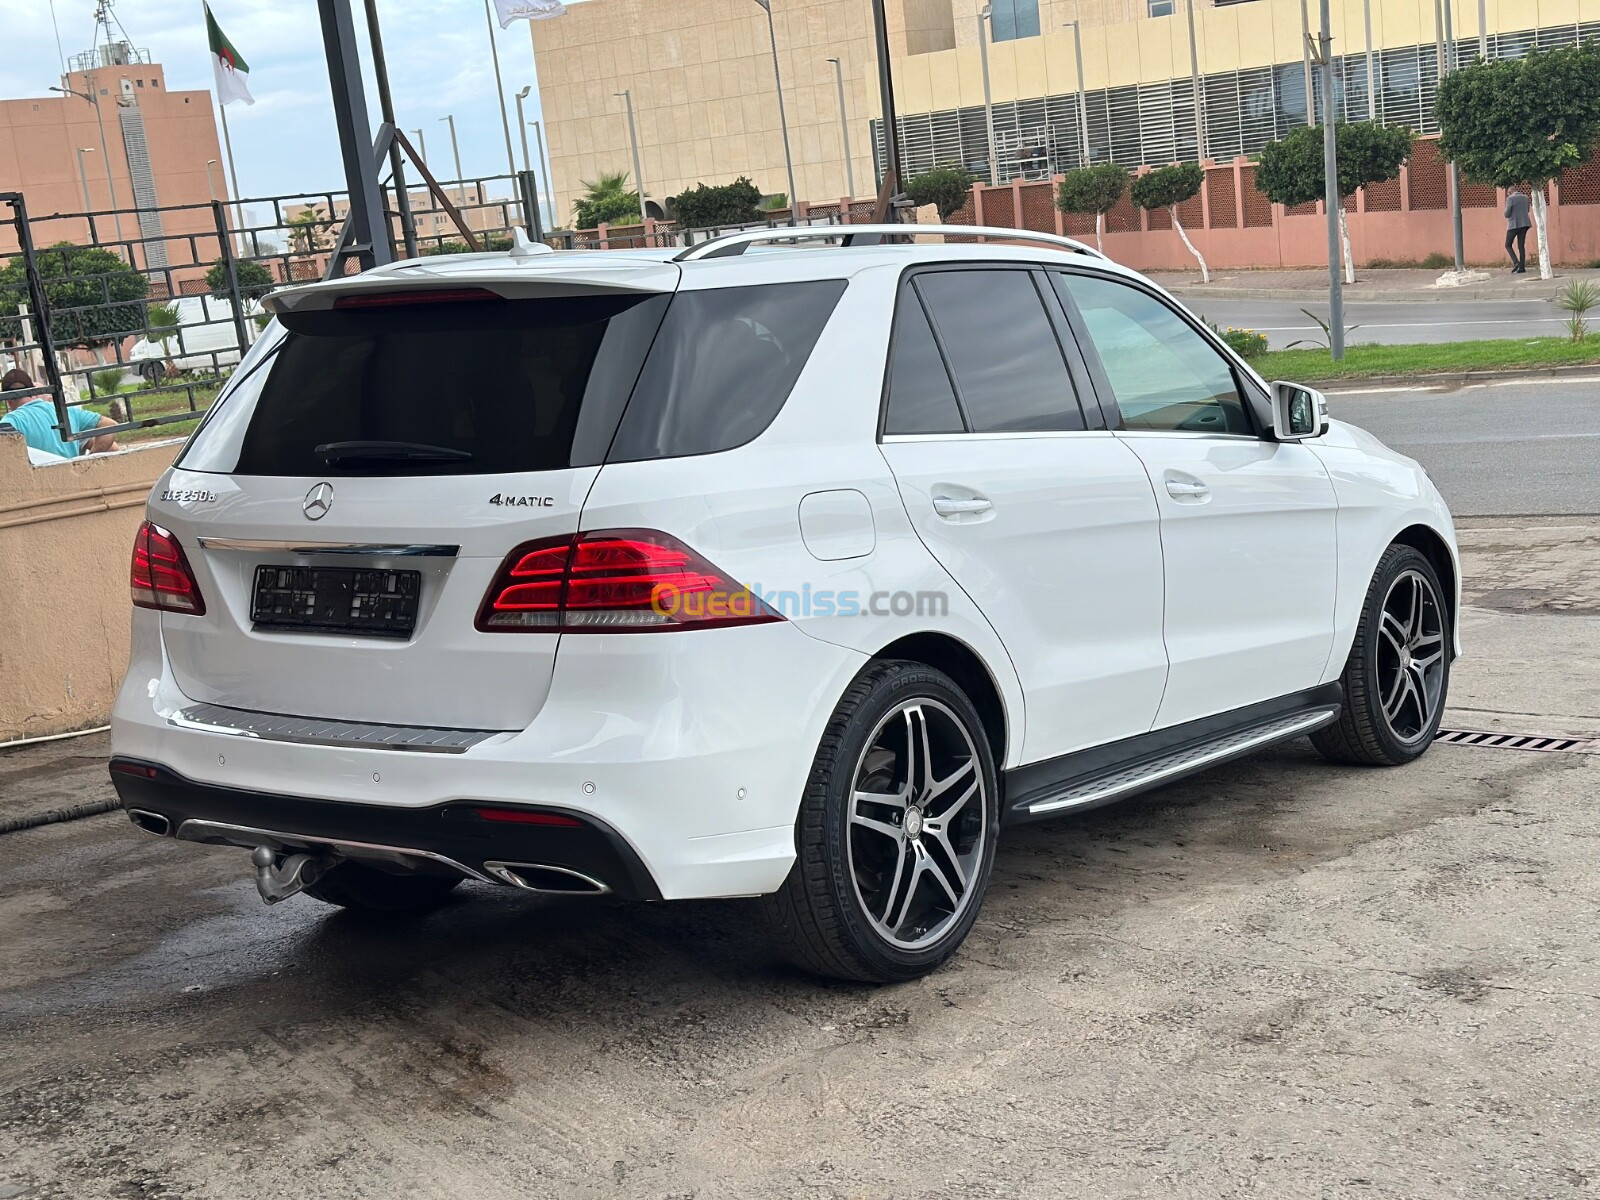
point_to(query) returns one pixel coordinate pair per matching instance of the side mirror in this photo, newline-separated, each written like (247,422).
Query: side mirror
(1298,412)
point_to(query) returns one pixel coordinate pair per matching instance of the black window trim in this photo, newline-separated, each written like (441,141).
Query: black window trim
(1072,359)
(1257,405)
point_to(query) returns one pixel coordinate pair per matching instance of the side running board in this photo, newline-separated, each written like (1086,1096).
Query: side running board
(1139,772)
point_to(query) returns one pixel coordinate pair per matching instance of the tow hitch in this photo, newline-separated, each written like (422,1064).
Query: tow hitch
(280,876)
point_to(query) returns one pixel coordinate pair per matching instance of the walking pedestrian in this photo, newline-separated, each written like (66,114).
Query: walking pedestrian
(1517,223)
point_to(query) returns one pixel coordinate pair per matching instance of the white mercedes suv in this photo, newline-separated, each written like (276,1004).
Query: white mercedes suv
(797,574)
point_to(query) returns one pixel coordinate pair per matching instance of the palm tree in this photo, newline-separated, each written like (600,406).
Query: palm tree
(306,230)
(606,199)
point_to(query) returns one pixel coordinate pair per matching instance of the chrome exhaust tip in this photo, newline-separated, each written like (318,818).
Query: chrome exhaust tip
(546,879)
(150,822)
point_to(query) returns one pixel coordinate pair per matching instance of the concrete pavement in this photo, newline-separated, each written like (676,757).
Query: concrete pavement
(1409,284)
(1509,447)
(1389,323)
(1281,978)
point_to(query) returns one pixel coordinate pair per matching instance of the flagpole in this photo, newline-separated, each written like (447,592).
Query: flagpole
(233,176)
(500,92)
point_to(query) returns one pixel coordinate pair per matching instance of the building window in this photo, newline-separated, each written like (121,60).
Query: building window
(1013,19)
(1160,8)
(141,82)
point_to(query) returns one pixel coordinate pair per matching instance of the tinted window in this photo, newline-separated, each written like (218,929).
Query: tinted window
(921,399)
(722,367)
(1002,350)
(1163,373)
(509,384)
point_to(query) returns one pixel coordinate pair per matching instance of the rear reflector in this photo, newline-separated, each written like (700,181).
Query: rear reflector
(388,299)
(614,581)
(129,768)
(522,816)
(160,577)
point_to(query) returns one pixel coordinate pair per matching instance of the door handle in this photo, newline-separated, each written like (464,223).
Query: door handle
(1187,489)
(961,506)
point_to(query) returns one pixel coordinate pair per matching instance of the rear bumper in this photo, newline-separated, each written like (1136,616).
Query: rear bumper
(692,749)
(448,838)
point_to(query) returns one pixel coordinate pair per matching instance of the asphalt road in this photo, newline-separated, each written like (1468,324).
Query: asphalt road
(1278,979)
(1394,322)
(1525,447)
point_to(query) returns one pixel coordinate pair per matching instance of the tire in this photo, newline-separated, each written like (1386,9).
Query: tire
(361,888)
(153,371)
(846,910)
(1398,676)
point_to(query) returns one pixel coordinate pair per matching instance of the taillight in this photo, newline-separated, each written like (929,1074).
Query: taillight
(614,581)
(385,299)
(160,576)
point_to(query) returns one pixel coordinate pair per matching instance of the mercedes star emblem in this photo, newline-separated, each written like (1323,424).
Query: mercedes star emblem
(317,502)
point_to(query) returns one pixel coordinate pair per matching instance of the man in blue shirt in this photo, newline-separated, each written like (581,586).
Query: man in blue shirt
(35,420)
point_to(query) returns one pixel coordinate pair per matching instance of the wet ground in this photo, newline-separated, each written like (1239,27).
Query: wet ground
(1280,979)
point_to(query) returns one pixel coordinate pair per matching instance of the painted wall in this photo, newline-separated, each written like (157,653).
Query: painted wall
(66,535)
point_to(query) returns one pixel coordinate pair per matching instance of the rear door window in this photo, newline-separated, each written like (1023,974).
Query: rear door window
(921,399)
(1003,351)
(482,387)
(722,367)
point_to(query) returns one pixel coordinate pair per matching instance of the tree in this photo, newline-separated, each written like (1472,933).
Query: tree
(94,296)
(488,241)
(255,280)
(308,230)
(1093,190)
(1292,170)
(605,201)
(1523,121)
(1168,187)
(947,188)
(702,207)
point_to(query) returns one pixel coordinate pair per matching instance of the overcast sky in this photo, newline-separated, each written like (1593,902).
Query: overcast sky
(437,50)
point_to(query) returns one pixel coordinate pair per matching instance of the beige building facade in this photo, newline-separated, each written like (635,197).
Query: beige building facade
(701,81)
(158,145)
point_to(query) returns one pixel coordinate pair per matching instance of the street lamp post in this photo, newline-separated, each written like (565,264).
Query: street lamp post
(522,129)
(105,155)
(1372,73)
(1083,106)
(1330,171)
(985,23)
(455,149)
(1199,99)
(83,178)
(544,169)
(633,141)
(422,146)
(844,131)
(1447,36)
(783,119)
(211,182)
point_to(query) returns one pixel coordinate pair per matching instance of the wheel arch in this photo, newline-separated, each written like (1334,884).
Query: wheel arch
(963,664)
(1428,542)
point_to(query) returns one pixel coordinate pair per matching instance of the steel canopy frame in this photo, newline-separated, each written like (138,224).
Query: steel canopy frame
(366,237)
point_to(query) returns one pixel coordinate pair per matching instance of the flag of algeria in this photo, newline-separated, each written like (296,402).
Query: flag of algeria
(231,71)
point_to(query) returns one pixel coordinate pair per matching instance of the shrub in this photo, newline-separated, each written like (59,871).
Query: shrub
(1577,298)
(1438,262)
(490,242)
(107,382)
(1246,343)
(703,207)
(1092,189)
(255,280)
(946,188)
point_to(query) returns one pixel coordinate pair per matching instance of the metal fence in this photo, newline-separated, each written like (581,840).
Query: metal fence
(137,316)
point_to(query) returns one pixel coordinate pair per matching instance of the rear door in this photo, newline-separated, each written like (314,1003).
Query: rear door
(345,508)
(1045,519)
(1247,523)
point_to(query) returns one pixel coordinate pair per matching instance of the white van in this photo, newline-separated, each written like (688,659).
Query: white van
(204,338)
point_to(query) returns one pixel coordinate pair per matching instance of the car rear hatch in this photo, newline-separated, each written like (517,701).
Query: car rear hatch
(348,502)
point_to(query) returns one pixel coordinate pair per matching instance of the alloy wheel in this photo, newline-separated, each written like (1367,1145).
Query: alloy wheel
(919,824)
(1410,657)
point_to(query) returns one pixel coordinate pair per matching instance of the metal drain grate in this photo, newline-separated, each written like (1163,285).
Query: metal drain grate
(1519,741)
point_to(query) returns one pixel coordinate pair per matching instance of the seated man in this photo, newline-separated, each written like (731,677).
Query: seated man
(35,420)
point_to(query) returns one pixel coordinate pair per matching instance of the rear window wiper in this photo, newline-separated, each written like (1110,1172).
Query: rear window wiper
(334,453)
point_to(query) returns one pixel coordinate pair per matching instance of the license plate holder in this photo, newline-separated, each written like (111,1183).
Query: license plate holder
(365,601)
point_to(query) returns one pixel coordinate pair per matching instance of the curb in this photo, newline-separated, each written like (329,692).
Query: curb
(1347,383)
(1191,292)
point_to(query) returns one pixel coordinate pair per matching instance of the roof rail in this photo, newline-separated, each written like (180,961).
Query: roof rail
(868,235)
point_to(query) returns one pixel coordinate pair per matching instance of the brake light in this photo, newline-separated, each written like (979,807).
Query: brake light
(160,576)
(408,299)
(614,581)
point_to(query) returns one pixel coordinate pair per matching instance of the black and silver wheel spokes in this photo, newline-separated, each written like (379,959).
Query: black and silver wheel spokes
(1410,658)
(918,823)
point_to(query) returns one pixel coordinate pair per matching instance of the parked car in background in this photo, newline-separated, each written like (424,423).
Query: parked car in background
(205,338)
(801,574)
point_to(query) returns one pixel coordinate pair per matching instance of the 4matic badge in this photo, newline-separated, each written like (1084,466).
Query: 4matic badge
(503,501)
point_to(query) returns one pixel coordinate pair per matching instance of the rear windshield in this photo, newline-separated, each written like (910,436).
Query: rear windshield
(495,386)
(474,388)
